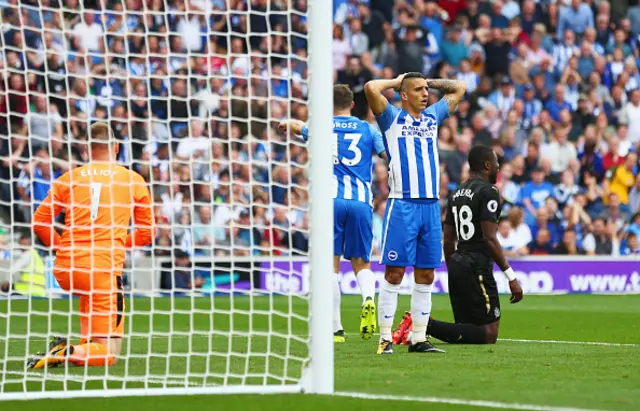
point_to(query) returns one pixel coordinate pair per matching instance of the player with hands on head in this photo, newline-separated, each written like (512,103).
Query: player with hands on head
(412,230)
(354,144)
(472,218)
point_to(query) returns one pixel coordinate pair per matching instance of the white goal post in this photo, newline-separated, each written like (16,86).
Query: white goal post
(64,66)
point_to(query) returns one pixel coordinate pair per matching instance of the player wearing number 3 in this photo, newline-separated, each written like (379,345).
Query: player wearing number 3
(354,144)
(99,200)
(412,231)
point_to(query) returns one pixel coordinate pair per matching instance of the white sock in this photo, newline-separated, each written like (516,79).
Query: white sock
(367,283)
(337,319)
(420,311)
(387,305)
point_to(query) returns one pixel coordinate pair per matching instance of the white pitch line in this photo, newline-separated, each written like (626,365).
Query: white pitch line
(598,343)
(77,377)
(457,401)
(606,344)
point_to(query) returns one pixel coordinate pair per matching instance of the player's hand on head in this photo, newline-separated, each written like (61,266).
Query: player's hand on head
(399,81)
(516,291)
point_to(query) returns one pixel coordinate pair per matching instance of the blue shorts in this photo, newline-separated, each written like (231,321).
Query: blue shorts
(412,233)
(352,229)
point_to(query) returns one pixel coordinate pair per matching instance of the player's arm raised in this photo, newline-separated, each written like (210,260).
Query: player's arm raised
(296,126)
(489,223)
(48,210)
(145,232)
(454,91)
(373,90)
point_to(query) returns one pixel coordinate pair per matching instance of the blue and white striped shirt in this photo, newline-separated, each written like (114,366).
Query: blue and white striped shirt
(412,149)
(354,143)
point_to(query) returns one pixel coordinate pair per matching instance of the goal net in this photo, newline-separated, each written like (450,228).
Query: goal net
(228,297)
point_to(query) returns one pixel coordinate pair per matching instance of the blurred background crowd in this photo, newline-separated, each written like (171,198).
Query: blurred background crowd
(194,90)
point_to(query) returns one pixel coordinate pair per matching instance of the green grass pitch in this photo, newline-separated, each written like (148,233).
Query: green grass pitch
(260,349)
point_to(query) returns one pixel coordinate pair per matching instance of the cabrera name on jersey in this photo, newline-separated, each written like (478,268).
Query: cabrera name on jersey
(470,204)
(354,143)
(412,149)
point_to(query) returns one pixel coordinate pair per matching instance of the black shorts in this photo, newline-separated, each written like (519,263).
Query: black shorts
(472,289)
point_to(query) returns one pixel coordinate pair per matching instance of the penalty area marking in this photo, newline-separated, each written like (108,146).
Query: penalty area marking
(456,401)
(515,340)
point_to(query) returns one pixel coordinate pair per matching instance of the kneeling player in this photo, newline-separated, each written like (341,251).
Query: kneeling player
(472,218)
(99,200)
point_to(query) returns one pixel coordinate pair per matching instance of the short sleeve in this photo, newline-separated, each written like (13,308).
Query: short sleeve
(378,142)
(490,205)
(305,132)
(442,110)
(386,118)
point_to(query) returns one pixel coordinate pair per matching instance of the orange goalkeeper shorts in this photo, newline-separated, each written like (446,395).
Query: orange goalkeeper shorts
(101,295)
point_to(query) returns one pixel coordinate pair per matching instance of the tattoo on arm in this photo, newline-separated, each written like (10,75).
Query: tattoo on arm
(446,86)
(453,91)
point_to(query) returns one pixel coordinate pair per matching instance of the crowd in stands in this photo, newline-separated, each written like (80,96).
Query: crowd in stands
(194,89)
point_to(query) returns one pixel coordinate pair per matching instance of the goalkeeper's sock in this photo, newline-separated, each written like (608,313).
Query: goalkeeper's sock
(367,283)
(90,354)
(387,305)
(457,333)
(337,320)
(420,311)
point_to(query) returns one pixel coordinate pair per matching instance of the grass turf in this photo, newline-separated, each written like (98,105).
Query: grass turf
(260,349)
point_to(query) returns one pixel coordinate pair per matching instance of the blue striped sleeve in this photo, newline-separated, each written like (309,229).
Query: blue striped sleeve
(378,142)
(386,118)
(305,132)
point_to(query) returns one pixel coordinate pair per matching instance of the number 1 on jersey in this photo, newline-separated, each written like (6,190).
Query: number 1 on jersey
(96,189)
(464,222)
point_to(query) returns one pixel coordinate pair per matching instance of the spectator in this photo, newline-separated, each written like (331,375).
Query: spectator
(543,220)
(576,18)
(180,275)
(356,76)
(601,240)
(634,196)
(561,152)
(614,213)
(454,49)
(568,246)
(521,231)
(633,14)
(621,178)
(508,240)
(630,115)
(89,32)
(632,246)
(542,244)
(567,189)
(359,41)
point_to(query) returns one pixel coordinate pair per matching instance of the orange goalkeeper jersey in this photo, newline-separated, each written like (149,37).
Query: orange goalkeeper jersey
(99,200)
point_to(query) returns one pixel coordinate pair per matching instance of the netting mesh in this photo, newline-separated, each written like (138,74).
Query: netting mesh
(193,92)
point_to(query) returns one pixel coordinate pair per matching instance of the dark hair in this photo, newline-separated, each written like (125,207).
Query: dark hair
(342,97)
(478,156)
(411,75)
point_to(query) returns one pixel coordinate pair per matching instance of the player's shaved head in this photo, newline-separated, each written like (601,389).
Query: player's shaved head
(342,97)
(407,79)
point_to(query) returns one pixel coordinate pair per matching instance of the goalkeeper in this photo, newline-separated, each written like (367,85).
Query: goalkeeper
(99,200)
